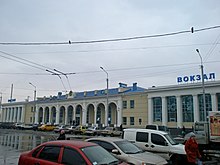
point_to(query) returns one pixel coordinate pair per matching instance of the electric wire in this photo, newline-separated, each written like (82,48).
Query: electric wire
(192,30)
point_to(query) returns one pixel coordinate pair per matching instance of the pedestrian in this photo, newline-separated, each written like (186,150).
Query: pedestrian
(192,150)
(62,135)
(121,127)
(183,131)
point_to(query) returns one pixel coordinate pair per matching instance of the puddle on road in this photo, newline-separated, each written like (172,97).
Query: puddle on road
(13,142)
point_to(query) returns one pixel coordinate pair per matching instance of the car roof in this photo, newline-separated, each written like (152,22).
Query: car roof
(75,143)
(144,130)
(109,139)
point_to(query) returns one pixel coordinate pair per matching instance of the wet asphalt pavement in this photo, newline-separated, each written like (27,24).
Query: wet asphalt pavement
(14,142)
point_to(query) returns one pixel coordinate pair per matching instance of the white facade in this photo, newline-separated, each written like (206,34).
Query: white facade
(160,102)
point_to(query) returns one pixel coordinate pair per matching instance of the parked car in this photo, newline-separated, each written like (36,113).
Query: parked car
(46,127)
(80,129)
(62,127)
(157,127)
(92,131)
(36,126)
(68,152)
(127,151)
(70,129)
(7,125)
(157,141)
(111,131)
(26,126)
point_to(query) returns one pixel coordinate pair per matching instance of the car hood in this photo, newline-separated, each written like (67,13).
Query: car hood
(148,157)
(179,149)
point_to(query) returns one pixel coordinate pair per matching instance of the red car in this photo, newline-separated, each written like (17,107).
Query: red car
(68,152)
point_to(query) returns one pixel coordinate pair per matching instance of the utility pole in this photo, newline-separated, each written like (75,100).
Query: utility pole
(106,91)
(35,94)
(203,85)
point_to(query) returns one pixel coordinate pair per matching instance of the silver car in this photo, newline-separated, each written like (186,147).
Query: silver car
(127,151)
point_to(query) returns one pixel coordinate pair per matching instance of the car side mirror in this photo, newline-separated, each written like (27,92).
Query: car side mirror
(115,151)
(165,143)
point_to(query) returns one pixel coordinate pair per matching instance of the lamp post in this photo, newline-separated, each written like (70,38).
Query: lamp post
(35,93)
(107,89)
(203,86)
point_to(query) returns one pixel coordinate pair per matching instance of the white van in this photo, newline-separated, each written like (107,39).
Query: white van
(159,142)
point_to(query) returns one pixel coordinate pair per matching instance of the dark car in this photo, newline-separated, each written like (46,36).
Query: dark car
(68,152)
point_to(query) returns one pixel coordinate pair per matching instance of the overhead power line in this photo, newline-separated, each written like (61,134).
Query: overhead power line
(192,30)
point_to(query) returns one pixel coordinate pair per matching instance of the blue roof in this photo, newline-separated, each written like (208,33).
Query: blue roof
(95,93)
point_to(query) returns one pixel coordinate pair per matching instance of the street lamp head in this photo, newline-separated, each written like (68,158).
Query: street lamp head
(101,67)
(197,50)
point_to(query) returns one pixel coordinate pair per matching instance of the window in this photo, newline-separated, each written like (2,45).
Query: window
(124,120)
(131,103)
(142,137)
(109,147)
(72,157)
(131,120)
(34,154)
(50,153)
(157,109)
(187,107)
(124,104)
(208,105)
(158,139)
(171,109)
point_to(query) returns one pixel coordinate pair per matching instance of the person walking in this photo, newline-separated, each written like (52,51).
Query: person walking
(62,135)
(192,150)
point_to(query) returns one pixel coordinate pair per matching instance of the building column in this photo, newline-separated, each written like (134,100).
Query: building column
(179,112)
(84,114)
(14,111)
(36,115)
(196,108)
(95,115)
(22,114)
(164,111)
(119,113)
(4,114)
(11,116)
(57,115)
(106,115)
(50,114)
(74,113)
(214,101)
(150,111)
(19,115)
(43,118)
(66,116)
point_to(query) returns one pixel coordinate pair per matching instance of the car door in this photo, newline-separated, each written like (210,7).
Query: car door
(72,157)
(158,144)
(49,155)
(142,140)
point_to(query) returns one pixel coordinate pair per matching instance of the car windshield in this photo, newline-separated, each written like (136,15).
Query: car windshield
(170,139)
(99,156)
(128,147)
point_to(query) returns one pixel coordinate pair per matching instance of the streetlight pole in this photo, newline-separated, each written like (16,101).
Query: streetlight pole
(35,93)
(107,90)
(203,85)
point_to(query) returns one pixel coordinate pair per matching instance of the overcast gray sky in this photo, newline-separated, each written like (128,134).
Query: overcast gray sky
(149,62)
